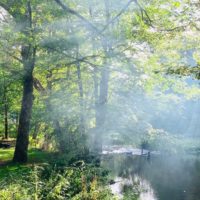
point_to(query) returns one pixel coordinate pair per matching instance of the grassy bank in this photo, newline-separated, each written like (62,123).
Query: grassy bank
(44,178)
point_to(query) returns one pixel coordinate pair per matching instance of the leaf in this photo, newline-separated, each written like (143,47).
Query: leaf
(176,4)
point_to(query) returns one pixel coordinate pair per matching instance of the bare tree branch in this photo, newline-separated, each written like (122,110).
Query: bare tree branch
(144,13)
(117,16)
(73,12)
(89,24)
(3,5)
(13,56)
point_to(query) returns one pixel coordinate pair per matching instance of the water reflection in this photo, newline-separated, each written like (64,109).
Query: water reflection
(160,178)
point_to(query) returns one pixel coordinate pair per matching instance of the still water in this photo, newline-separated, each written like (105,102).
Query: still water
(158,178)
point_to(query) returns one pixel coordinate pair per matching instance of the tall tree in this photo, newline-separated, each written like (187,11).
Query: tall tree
(104,84)
(5,101)
(81,93)
(22,14)
(28,54)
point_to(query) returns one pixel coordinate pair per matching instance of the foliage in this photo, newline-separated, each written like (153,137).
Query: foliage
(100,73)
(48,182)
(149,42)
(131,192)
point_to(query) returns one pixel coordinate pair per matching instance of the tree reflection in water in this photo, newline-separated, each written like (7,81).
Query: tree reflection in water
(160,178)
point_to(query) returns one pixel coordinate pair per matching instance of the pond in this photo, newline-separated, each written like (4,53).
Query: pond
(162,177)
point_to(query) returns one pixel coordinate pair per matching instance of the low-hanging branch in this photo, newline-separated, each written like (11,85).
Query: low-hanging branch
(117,16)
(185,71)
(73,12)
(144,13)
(88,23)
(3,5)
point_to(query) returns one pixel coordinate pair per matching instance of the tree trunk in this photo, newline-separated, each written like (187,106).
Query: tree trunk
(36,129)
(81,104)
(17,122)
(6,120)
(56,124)
(95,71)
(96,94)
(28,53)
(21,148)
(104,84)
(5,111)
(101,109)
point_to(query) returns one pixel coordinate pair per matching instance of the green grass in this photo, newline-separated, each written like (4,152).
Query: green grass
(39,156)
(6,154)
(34,155)
(15,170)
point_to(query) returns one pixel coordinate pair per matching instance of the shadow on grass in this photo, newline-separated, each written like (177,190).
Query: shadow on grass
(40,156)
(9,169)
(15,171)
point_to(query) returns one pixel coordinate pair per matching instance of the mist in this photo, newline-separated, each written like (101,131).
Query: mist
(101,96)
